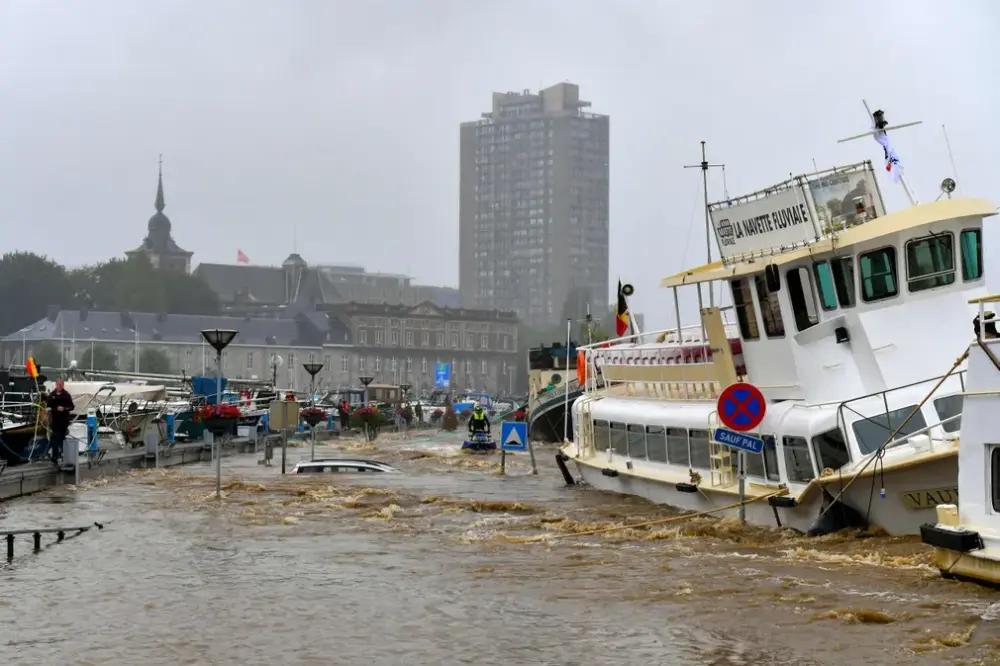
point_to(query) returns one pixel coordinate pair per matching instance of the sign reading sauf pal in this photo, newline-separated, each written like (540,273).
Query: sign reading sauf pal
(769,222)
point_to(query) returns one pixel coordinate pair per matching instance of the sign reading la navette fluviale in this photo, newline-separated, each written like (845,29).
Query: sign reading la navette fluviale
(773,221)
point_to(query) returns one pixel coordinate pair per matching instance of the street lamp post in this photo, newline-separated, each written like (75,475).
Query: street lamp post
(313,370)
(219,338)
(366,380)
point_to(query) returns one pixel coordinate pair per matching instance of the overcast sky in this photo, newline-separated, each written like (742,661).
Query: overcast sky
(340,119)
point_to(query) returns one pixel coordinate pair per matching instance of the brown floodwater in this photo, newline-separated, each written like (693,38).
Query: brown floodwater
(451,563)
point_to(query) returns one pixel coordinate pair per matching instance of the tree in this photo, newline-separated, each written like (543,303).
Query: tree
(189,294)
(103,359)
(29,283)
(155,361)
(46,354)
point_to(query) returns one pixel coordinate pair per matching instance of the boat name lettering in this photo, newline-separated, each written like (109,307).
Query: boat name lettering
(929,498)
(782,218)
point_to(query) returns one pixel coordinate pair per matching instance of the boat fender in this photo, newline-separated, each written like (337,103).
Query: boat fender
(839,517)
(561,459)
(607,471)
(782,501)
(686,488)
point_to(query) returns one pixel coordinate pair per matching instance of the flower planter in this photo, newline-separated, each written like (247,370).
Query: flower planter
(219,425)
(313,419)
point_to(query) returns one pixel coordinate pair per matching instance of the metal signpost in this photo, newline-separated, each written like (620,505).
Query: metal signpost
(514,437)
(741,409)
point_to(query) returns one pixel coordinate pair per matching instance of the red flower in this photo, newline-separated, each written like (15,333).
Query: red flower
(312,411)
(216,412)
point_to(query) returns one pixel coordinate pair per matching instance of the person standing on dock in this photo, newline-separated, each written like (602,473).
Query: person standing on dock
(60,405)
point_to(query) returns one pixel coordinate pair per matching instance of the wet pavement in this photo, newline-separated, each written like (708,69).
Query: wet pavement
(438,566)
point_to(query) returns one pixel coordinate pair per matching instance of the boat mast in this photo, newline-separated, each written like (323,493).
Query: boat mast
(704,166)
(881,128)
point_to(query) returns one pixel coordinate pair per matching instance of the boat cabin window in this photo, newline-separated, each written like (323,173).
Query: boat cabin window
(677,447)
(830,449)
(878,275)
(755,464)
(619,438)
(745,314)
(843,279)
(930,262)
(800,293)
(700,457)
(636,441)
(602,436)
(656,444)
(824,285)
(770,310)
(771,458)
(995,477)
(971,243)
(872,432)
(798,462)
(947,407)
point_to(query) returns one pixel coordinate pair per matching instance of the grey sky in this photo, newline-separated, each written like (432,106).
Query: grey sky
(340,119)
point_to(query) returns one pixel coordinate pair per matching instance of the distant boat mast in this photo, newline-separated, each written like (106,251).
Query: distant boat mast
(705,166)
(880,126)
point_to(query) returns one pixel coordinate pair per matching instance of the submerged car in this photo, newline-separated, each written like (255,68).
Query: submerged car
(336,465)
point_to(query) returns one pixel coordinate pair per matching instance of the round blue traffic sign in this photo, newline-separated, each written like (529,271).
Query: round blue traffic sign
(741,407)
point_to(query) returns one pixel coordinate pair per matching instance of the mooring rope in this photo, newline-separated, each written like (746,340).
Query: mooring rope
(648,523)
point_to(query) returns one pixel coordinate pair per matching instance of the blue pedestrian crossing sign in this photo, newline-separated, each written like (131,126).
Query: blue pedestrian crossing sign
(738,440)
(514,436)
(442,375)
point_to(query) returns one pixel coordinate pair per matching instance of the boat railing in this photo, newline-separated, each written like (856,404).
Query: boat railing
(926,430)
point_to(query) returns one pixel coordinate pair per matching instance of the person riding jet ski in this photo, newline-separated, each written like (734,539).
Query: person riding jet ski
(479,422)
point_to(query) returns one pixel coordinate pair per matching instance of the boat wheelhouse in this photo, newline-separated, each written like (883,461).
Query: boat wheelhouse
(846,325)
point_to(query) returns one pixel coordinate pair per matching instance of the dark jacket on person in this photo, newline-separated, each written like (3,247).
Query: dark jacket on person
(60,419)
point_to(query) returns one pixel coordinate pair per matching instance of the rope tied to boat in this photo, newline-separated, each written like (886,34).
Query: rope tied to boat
(648,523)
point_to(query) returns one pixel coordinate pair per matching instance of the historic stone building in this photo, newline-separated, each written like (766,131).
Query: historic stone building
(398,343)
(159,244)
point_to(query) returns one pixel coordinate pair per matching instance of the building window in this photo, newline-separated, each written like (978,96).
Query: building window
(425,339)
(188,354)
(362,363)
(454,340)
(878,275)
(363,336)
(468,342)
(312,358)
(483,367)
(393,363)
(343,363)
(394,337)
(468,367)
(930,262)
(378,363)
(423,365)
(824,285)
(770,310)
(378,337)
(117,354)
(249,360)
(409,365)
(409,338)
(440,339)
(843,280)
(745,314)
(326,362)
(971,244)
(800,294)
(484,341)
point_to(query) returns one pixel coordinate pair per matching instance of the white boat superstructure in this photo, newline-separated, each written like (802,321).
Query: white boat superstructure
(846,325)
(966,536)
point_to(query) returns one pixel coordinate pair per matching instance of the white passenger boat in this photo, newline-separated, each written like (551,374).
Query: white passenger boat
(966,536)
(848,319)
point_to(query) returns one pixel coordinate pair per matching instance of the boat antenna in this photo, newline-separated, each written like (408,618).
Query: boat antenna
(951,157)
(879,131)
(705,166)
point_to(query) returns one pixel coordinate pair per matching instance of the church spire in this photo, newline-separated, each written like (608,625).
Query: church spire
(160,203)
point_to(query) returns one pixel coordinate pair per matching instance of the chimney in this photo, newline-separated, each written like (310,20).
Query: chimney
(52,313)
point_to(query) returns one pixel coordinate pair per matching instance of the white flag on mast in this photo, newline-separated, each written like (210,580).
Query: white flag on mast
(892,163)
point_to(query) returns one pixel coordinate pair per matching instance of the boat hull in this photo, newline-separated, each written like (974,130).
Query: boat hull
(895,514)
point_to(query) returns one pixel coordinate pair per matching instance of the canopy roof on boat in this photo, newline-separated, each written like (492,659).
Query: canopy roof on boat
(87,395)
(903,220)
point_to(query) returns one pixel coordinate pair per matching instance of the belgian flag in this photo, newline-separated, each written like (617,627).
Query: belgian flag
(621,313)
(31,368)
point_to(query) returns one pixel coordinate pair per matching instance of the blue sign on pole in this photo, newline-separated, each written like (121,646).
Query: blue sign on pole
(738,440)
(514,436)
(442,375)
